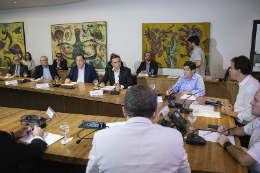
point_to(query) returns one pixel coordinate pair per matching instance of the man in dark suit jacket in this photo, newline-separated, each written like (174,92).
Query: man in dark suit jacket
(60,63)
(44,70)
(82,72)
(18,68)
(117,75)
(13,153)
(147,64)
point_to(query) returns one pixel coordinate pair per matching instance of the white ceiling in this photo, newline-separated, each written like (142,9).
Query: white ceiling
(9,4)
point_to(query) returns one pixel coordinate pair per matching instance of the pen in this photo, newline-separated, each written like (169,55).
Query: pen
(208,133)
(220,115)
(31,133)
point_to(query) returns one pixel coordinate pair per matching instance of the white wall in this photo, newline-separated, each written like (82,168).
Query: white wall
(231,25)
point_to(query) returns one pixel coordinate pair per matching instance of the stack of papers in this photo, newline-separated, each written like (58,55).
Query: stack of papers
(108,88)
(173,77)
(142,75)
(212,137)
(6,77)
(189,97)
(110,125)
(70,84)
(49,138)
(205,111)
(42,85)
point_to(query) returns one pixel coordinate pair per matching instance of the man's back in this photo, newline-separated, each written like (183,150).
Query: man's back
(138,146)
(199,55)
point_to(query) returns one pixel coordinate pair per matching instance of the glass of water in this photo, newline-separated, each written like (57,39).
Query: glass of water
(95,81)
(152,86)
(152,71)
(192,118)
(56,78)
(25,74)
(64,128)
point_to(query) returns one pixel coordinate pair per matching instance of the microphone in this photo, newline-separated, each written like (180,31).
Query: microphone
(170,96)
(185,110)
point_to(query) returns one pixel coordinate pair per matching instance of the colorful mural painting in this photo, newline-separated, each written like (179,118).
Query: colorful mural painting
(88,39)
(168,41)
(12,42)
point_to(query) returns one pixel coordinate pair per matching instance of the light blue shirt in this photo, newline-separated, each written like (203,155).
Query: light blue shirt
(147,66)
(81,74)
(46,72)
(195,85)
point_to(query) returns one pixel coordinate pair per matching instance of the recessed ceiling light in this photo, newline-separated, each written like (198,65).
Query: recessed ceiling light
(15,2)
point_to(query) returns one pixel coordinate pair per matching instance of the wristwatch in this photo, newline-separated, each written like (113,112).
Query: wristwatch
(226,144)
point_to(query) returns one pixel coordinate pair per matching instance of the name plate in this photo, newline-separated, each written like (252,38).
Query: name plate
(43,85)
(12,82)
(96,93)
(159,99)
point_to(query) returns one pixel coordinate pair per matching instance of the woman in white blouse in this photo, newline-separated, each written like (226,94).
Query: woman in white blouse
(29,61)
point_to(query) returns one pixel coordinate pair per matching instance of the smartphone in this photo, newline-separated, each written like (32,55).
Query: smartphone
(212,127)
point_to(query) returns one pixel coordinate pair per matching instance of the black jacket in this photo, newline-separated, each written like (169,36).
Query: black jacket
(38,72)
(125,77)
(63,64)
(23,69)
(153,65)
(13,153)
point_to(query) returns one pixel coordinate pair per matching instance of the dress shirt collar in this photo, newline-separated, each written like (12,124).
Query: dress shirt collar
(82,68)
(60,60)
(114,70)
(192,78)
(139,120)
(245,80)
(45,67)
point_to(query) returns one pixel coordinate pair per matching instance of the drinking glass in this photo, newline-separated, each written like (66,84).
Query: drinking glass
(25,74)
(192,118)
(95,81)
(56,78)
(152,71)
(152,86)
(64,128)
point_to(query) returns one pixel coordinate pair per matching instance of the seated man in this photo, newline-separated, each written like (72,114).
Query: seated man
(139,145)
(146,66)
(82,72)
(44,70)
(251,158)
(190,82)
(17,69)
(14,153)
(60,63)
(117,74)
(240,70)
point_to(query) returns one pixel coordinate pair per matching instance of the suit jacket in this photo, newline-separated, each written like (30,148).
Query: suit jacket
(13,153)
(138,146)
(125,76)
(63,64)
(38,72)
(153,65)
(23,69)
(90,74)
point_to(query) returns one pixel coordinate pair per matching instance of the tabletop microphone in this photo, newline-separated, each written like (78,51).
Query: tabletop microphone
(171,96)
(194,139)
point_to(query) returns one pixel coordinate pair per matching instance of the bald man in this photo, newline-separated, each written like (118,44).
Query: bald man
(17,69)
(44,70)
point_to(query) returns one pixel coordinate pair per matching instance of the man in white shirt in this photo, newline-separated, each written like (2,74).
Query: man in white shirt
(240,70)
(251,158)
(139,145)
(197,56)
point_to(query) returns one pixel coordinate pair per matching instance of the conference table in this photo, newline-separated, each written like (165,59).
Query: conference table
(209,158)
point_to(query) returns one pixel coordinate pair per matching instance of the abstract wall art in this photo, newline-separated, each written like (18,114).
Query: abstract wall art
(168,41)
(12,42)
(88,39)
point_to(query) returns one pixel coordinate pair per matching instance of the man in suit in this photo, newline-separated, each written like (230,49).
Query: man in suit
(17,69)
(146,66)
(117,75)
(139,145)
(82,72)
(60,63)
(13,153)
(44,70)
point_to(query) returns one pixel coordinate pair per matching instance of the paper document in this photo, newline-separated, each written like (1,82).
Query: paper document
(42,85)
(108,88)
(159,99)
(201,107)
(189,97)
(173,77)
(12,82)
(212,137)
(69,84)
(49,138)
(205,111)
(96,92)
(114,124)
(36,79)
(164,111)
(6,77)
(142,75)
